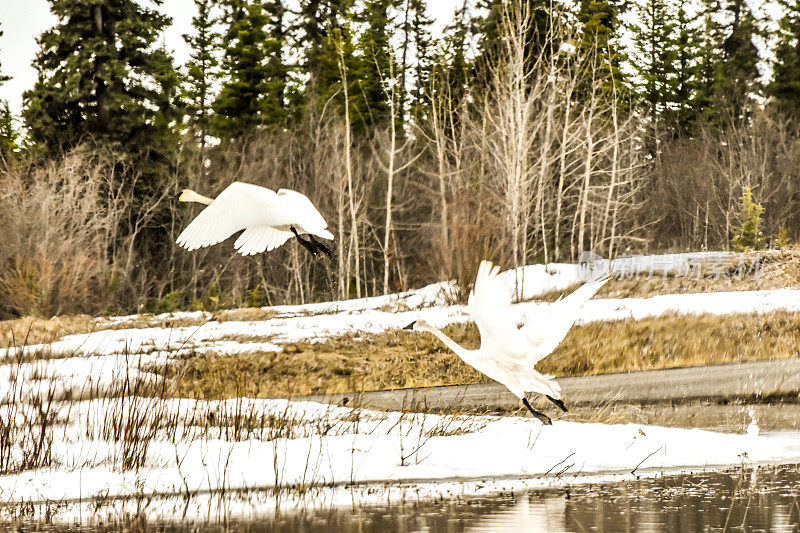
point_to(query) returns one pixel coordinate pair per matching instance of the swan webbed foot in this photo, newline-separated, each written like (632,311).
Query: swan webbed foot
(320,246)
(308,244)
(543,418)
(559,403)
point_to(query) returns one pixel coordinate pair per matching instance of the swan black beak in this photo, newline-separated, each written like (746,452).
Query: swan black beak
(410,326)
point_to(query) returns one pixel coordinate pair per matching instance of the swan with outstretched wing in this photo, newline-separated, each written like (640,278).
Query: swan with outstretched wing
(508,352)
(266,218)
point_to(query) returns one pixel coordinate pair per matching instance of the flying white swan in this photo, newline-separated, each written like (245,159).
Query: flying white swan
(508,352)
(268,219)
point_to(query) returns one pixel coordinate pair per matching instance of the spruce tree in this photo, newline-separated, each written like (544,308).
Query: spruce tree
(374,52)
(748,235)
(8,135)
(278,31)
(687,69)
(201,71)
(255,73)
(738,76)
(599,20)
(102,77)
(323,25)
(784,87)
(488,28)
(340,43)
(452,69)
(655,58)
(731,58)
(423,50)
(316,19)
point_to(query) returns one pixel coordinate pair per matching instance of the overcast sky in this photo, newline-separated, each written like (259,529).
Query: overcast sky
(23,20)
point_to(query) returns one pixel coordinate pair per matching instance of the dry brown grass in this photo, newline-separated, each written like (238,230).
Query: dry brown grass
(371,362)
(398,359)
(33,330)
(675,340)
(244,314)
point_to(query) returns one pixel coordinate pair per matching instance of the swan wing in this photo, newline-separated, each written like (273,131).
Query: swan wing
(239,206)
(544,333)
(490,307)
(260,239)
(306,214)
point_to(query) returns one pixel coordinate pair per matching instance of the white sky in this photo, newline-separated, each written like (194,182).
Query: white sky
(22,21)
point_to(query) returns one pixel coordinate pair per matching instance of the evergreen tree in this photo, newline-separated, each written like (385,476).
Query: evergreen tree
(489,29)
(423,50)
(278,32)
(402,73)
(599,21)
(8,137)
(374,52)
(101,77)
(452,69)
(201,71)
(253,93)
(738,76)
(731,72)
(323,24)
(748,235)
(655,58)
(359,56)
(687,69)
(785,85)
(317,17)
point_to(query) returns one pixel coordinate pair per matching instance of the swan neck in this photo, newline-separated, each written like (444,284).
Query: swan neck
(450,343)
(189,195)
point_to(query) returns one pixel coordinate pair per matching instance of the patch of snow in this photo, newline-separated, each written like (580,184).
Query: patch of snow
(713,303)
(337,445)
(436,294)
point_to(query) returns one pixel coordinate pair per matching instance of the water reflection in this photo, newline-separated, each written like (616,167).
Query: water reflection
(753,500)
(763,499)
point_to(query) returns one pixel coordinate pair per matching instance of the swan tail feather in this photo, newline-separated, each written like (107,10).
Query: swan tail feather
(543,384)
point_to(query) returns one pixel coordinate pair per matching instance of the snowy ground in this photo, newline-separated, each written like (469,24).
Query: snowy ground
(323,448)
(193,447)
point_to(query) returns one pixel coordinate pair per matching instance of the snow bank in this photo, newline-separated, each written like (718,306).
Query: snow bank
(370,447)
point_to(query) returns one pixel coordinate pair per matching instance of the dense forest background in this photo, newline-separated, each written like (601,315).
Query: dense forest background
(527,132)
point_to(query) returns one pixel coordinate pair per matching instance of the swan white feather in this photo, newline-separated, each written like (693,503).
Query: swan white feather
(265,216)
(508,353)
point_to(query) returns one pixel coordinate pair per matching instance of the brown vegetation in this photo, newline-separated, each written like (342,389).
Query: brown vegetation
(386,360)
(406,359)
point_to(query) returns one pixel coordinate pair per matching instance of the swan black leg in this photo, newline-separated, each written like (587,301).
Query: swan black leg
(320,246)
(308,245)
(559,403)
(538,414)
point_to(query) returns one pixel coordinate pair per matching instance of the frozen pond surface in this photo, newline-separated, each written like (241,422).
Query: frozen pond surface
(740,499)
